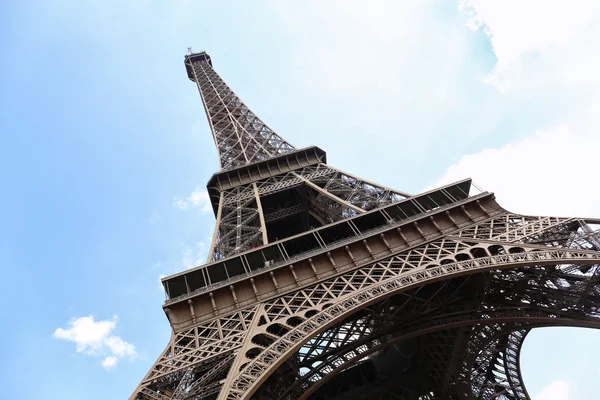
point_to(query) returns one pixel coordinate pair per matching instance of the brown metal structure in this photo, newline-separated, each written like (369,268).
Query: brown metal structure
(322,285)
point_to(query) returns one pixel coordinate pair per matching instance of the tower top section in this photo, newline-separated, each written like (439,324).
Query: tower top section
(241,137)
(191,58)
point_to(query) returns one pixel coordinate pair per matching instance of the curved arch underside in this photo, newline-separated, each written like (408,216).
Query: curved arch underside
(443,320)
(395,344)
(453,337)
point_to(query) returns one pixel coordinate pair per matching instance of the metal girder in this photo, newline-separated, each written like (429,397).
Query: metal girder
(451,304)
(241,137)
(352,294)
(332,196)
(376,294)
(291,320)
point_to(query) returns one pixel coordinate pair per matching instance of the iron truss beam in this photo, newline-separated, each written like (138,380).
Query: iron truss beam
(323,285)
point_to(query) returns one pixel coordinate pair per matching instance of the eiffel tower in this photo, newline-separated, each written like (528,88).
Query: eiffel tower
(323,285)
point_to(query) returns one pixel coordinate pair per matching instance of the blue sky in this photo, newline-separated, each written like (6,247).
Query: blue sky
(106,150)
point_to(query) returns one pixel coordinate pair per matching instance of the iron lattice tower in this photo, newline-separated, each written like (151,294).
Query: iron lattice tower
(322,285)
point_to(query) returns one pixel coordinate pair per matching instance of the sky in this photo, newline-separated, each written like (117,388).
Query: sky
(106,150)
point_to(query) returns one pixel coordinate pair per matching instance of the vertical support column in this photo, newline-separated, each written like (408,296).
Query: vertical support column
(192,312)
(464,209)
(452,219)
(214,305)
(261,216)
(347,248)
(213,244)
(437,226)
(294,274)
(272,274)
(254,289)
(364,242)
(332,261)
(312,266)
(482,208)
(387,244)
(235,300)
(399,230)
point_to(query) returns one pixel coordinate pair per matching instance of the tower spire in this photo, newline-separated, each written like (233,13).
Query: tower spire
(241,137)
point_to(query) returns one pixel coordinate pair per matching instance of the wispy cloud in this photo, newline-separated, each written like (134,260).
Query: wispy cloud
(557,390)
(198,198)
(402,61)
(538,41)
(109,362)
(539,172)
(193,256)
(95,338)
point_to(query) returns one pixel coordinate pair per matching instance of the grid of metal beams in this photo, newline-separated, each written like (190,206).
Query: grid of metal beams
(241,137)
(434,304)
(328,194)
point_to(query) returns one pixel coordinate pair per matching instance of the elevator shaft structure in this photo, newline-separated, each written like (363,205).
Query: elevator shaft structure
(323,285)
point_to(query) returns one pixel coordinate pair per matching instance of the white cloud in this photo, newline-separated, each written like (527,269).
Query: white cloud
(545,50)
(198,198)
(382,56)
(539,40)
(548,173)
(385,69)
(551,171)
(193,256)
(109,362)
(119,347)
(180,204)
(95,338)
(557,390)
(518,27)
(352,41)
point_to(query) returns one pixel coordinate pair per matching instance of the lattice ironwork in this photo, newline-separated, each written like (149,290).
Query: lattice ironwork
(241,137)
(326,194)
(322,285)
